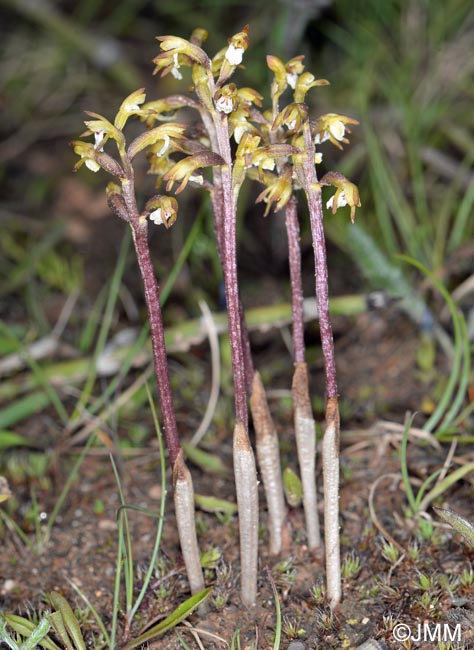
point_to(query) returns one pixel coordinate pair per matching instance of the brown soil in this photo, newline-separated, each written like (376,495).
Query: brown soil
(376,360)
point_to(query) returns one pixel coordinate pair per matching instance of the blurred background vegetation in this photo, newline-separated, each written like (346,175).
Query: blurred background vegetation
(68,279)
(404,68)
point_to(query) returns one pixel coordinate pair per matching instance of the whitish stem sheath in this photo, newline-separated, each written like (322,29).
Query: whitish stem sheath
(305,433)
(305,427)
(184,507)
(331,435)
(247,501)
(331,502)
(268,456)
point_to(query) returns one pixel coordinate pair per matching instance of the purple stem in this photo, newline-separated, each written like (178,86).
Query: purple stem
(315,207)
(152,298)
(246,349)
(294,258)
(218,210)
(226,234)
(139,227)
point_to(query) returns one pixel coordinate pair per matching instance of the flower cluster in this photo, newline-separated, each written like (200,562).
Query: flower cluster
(271,147)
(223,137)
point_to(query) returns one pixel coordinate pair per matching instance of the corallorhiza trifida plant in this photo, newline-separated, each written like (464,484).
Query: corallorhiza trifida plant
(236,139)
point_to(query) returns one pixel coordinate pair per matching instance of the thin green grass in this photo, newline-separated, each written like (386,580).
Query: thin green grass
(67,486)
(412,102)
(125,549)
(39,375)
(105,326)
(450,403)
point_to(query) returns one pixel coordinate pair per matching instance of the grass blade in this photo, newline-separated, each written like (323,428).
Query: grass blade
(25,627)
(460,524)
(459,346)
(446,483)
(179,615)
(70,621)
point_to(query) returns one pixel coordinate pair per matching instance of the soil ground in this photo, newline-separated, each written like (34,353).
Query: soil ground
(377,367)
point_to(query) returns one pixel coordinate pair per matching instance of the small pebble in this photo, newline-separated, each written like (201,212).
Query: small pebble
(155,492)
(8,585)
(296,645)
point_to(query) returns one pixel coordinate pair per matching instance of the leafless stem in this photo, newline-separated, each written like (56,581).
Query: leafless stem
(152,299)
(268,455)
(184,507)
(305,427)
(305,433)
(247,501)
(331,435)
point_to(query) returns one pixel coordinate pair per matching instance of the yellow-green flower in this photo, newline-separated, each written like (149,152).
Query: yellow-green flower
(129,106)
(162,210)
(172,45)
(87,152)
(163,136)
(285,74)
(280,81)
(184,169)
(177,52)
(238,43)
(346,193)
(94,158)
(226,99)
(233,55)
(304,82)
(239,124)
(292,116)
(293,68)
(278,193)
(333,127)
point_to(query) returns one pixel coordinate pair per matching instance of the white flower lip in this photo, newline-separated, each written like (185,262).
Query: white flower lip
(156,217)
(175,69)
(197,178)
(234,54)
(341,201)
(291,79)
(337,129)
(92,165)
(321,137)
(225,105)
(268,163)
(98,137)
(166,144)
(239,131)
